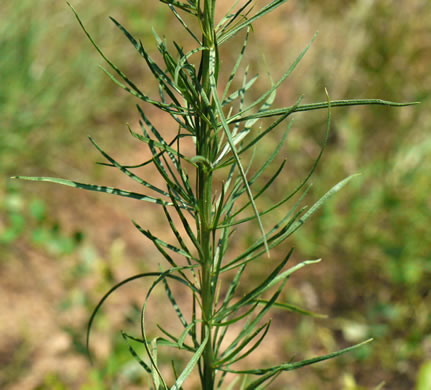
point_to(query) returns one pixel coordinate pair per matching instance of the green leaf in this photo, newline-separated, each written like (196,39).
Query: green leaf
(293,308)
(316,162)
(262,114)
(269,281)
(237,138)
(233,357)
(265,10)
(264,188)
(126,171)
(252,323)
(163,146)
(191,364)
(230,17)
(178,192)
(268,373)
(319,203)
(236,319)
(235,68)
(185,333)
(160,76)
(134,90)
(126,281)
(97,188)
(126,337)
(183,6)
(159,242)
(269,129)
(186,224)
(321,105)
(174,155)
(176,232)
(176,14)
(160,278)
(227,299)
(275,236)
(174,304)
(177,342)
(232,145)
(153,355)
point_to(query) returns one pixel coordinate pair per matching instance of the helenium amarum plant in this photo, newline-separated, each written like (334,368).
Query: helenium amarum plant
(212,192)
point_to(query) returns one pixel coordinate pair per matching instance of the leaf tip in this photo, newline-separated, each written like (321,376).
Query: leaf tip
(71,7)
(307,262)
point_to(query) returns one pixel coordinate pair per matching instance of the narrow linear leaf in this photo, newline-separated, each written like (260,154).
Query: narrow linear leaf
(256,250)
(176,233)
(236,66)
(177,15)
(232,145)
(174,304)
(319,203)
(161,277)
(197,354)
(229,295)
(291,366)
(257,291)
(232,356)
(126,337)
(97,188)
(183,6)
(272,89)
(322,105)
(265,10)
(176,343)
(150,161)
(134,90)
(293,308)
(185,333)
(231,17)
(236,319)
(191,364)
(122,283)
(153,355)
(160,242)
(254,347)
(161,77)
(186,224)
(253,322)
(162,146)
(229,14)
(123,169)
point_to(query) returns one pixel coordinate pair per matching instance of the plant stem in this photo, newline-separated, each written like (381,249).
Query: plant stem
(204,185)
(205,209)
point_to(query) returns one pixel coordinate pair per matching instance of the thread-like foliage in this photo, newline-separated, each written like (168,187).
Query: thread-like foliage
(223,128)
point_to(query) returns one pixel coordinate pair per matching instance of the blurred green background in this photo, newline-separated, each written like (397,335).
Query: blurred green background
(61,249)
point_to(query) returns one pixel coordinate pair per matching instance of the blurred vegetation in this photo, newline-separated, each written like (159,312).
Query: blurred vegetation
(374,237)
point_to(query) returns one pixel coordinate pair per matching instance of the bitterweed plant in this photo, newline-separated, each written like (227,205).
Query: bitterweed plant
(212,192)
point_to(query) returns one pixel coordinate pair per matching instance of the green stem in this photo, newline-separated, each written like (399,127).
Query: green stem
(204,187)
(204,190)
